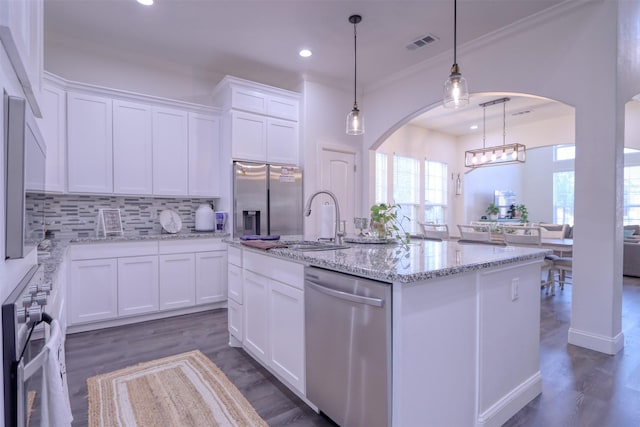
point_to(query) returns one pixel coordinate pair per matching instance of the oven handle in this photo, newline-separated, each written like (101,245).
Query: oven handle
(376,302)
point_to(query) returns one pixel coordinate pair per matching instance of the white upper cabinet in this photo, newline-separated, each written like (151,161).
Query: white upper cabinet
(170,152)
(261,122)
(204,155)
(249,136)
(21,34)
(53,129)
(282,141)
(132,148)
(89,143)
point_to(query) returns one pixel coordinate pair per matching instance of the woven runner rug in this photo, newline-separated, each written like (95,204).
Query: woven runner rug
(183,390)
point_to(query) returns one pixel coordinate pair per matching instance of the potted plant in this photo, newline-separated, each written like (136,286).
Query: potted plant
(385,222)
(523,213)
(492,211)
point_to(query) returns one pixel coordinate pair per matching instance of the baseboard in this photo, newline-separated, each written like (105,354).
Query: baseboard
(512,402)
(601,343)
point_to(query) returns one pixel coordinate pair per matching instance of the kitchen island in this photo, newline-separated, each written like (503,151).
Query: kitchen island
(464,339)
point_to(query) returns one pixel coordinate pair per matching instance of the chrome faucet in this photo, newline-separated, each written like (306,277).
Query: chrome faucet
(337,238)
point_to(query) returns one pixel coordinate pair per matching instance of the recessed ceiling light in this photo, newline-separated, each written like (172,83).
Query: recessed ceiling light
(305,53)
(473,127)
(146,2)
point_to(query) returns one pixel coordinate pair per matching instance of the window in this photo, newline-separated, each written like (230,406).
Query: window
(435,191)
(563,190)
(406,190)
(381,178)
(631,195)
(564,152)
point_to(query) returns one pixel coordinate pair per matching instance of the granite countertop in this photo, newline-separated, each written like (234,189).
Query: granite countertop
(52,258)
(419,260)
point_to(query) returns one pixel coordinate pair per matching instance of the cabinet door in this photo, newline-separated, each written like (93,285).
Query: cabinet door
(211,276)
(248,136)
(93,290)
(235,319)
(177,281)
(286,332)
(170,152)
(132,149)
(256,315)
(204,155)
(282,141)
(89,144)
(53,128)
(234,279)
(137,285)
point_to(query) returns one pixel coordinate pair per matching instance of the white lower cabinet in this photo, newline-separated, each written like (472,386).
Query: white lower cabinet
(109,281)
(211,275)
(137,285)
(93,290)
(177,281)
(273,321)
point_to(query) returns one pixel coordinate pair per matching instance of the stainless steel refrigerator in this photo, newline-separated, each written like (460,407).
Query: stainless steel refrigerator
(267,199)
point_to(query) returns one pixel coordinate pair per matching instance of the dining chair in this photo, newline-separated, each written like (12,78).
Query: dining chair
(554,231)
(474,233)
(432,231)
(532,236)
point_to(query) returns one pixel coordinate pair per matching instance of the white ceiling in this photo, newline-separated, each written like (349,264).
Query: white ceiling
(240,37)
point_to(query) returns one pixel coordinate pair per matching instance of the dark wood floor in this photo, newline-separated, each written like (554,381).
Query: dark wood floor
(580,387)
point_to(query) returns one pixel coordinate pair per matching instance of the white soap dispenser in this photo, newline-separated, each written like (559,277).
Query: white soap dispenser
(205,218)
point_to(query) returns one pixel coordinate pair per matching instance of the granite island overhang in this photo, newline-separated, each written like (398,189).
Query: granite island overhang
(465,326)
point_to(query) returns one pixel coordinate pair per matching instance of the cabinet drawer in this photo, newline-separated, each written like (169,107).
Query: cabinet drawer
(112,250)
(288,272)
(190,246)
(234,255)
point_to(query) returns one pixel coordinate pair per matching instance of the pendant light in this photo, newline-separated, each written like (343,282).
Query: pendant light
(456,93)
(355,120)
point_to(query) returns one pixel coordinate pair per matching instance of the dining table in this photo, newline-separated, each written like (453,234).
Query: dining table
(562,247)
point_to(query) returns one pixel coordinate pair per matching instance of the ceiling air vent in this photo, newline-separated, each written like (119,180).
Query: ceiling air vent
(422,41)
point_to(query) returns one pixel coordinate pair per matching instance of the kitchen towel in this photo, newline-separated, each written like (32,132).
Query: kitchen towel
(56,408)
(327,221)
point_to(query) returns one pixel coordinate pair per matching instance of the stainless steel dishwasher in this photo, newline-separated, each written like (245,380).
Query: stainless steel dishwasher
(348,347)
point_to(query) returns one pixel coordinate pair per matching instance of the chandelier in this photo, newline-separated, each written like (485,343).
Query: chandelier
(504,154)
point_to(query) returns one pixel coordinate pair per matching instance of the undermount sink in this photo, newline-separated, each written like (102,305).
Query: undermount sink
(315,246)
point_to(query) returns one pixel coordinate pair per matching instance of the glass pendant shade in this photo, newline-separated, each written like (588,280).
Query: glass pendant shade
(456,93)
(355,122)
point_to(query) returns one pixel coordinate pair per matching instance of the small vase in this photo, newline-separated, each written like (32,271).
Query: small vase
(378,230)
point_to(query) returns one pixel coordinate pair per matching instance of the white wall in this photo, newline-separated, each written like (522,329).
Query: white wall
(324,116)
(105,66)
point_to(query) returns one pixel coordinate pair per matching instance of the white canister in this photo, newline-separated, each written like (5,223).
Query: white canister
(205,218)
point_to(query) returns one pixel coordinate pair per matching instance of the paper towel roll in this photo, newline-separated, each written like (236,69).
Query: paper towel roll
(327,220)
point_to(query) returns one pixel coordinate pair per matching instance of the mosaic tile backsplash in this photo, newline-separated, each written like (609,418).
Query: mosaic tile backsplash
(77,215)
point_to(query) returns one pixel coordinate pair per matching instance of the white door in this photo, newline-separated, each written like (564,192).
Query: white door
(282,142)
(338,175)
(248,137)
(177,281)
(211,277)
(137,285)
(132,149)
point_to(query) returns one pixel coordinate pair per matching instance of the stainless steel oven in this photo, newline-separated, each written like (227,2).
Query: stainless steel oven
(24,314)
